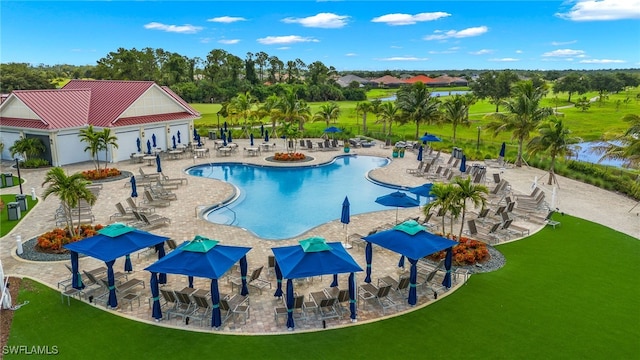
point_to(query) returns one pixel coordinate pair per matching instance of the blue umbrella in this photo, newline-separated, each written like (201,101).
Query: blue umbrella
(178,133)
(345,216)
(278,292)
(199,142)
(503,148)
(430,137)
(148,147)
(420,154)
(156,311)
(158,166)
(266,136)
(195,134)
(251,139)
(229,139)
(224,141)
(76,277)
(153,138)
(138,144)
(134,190)
(225,126)
(368,255)
(332,130)
(261,130)
(174,141)
(397,199)
(463,164)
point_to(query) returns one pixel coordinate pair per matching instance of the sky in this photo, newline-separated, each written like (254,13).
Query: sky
(348,35)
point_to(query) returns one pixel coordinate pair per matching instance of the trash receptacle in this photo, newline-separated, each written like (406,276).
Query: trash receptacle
(212,135)
(22,200)
(13,210)
(8,179)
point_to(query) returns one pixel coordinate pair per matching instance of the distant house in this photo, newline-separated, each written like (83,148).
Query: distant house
(389,81)
(346,80)
(420,78)
(445,80)
(131,109)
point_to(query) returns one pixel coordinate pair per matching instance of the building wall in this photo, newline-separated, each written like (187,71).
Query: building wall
(8,138)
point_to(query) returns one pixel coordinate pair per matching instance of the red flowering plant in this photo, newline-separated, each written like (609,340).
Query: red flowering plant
(289,156)
(53,240)
(467,252)
(100,174)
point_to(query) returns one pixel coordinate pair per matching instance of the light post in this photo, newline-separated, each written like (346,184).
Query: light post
(478,143)
(19,178)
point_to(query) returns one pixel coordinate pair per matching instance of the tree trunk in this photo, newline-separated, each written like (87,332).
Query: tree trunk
(519,159)
(464,210)
(552,170)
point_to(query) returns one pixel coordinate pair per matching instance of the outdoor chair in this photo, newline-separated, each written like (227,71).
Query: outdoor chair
(235,305)
(122,213)
(327,309)
(549,221)
(271,265)
(378,294)
(253,281)
(153,201)
(417,169)
(154,220)
(144,209)
(155,176)
(169,301)
(203,308)
(298,308)
(400,286)
(487,236)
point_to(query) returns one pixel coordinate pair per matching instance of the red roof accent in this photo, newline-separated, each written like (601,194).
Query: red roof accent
(420,78)
(57,109)
(388,79)
(23,123)
(109,99)
(155,118)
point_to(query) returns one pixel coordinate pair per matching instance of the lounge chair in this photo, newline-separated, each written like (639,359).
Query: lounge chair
(184,306)
(154,220)
(154,177)
(144,209)
(514,229)
(169,301)
(298,308)
(153,201)
(489,236)
(549,221)
(253,281)
(235,305)
(378,294)
(202,310)
(122,213)
(417,169)
(426,280)
(399,286)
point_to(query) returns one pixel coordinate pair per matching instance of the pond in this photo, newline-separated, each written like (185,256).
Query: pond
(433,94)
(585,153)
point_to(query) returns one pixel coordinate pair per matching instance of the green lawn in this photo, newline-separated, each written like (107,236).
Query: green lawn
(5,225)
(565,293)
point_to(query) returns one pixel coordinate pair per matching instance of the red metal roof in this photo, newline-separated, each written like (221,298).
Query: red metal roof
(23,123)
(155,118)
(109,99)
(420,78)
(57,109)
(388,79)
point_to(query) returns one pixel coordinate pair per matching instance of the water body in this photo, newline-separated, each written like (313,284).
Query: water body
(281,203)
(433,94)
(585,154)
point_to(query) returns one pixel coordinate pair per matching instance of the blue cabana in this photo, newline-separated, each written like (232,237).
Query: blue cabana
(112,242)
(313,257)
(204,258)
(412,240)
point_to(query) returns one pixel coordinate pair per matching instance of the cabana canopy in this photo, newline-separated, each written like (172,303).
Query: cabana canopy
(412,240)
(313,257)
(204,258)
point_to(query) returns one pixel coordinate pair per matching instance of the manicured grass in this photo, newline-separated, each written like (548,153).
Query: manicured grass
(5,225)
(565,293)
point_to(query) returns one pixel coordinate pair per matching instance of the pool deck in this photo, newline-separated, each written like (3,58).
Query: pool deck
(202,193)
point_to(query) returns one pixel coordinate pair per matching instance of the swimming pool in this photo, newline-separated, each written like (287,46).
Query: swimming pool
(283,202)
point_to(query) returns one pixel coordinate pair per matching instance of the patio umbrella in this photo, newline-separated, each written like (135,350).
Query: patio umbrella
(138,144)
(178,134)
(422,190)
(224,141)
(332,130)
(261,130)
(158,166)
(195,134)
(199,142)
(503,149)
(266,136)
(429,137)
(397,199)
(153,139)
(173,138)
(229,139)
(251,139)
(420,153)
(463,164)
(134,190)
(413,241)
(345,218)
(225,126)
(148,146)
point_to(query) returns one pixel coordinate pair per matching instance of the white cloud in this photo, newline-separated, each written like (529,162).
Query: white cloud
(182,29)
(519,51)
(289,39)
(601,61)
(505,60)
(451,50)
(321,20)
(395,47)
(598,10)
(205,40)
(408,19)
(481,52)
(284,48)
(226,19)
(560,43)
(564,53)
(468,32)
(350,54)
(403,58)
(229,41)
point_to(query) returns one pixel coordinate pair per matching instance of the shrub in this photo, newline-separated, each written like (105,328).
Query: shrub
(53,240)
(34,163)
(467,252)
(289,156)
(100,174)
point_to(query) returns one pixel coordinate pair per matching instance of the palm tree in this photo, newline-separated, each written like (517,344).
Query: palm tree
(242,106)
(456,112)
(291,109)
(89,136)
(28,147)
(389,112)
(105,140)
(364,108)
(555,138)
(625,147)
(467,190)
(268,108)
(523,114)
(327,112)
(418,106)
(445,195)
(70,190)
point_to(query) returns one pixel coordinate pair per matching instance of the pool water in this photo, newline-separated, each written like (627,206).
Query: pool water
(284,202)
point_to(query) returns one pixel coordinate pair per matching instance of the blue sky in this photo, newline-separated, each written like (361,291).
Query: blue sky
(349,35)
